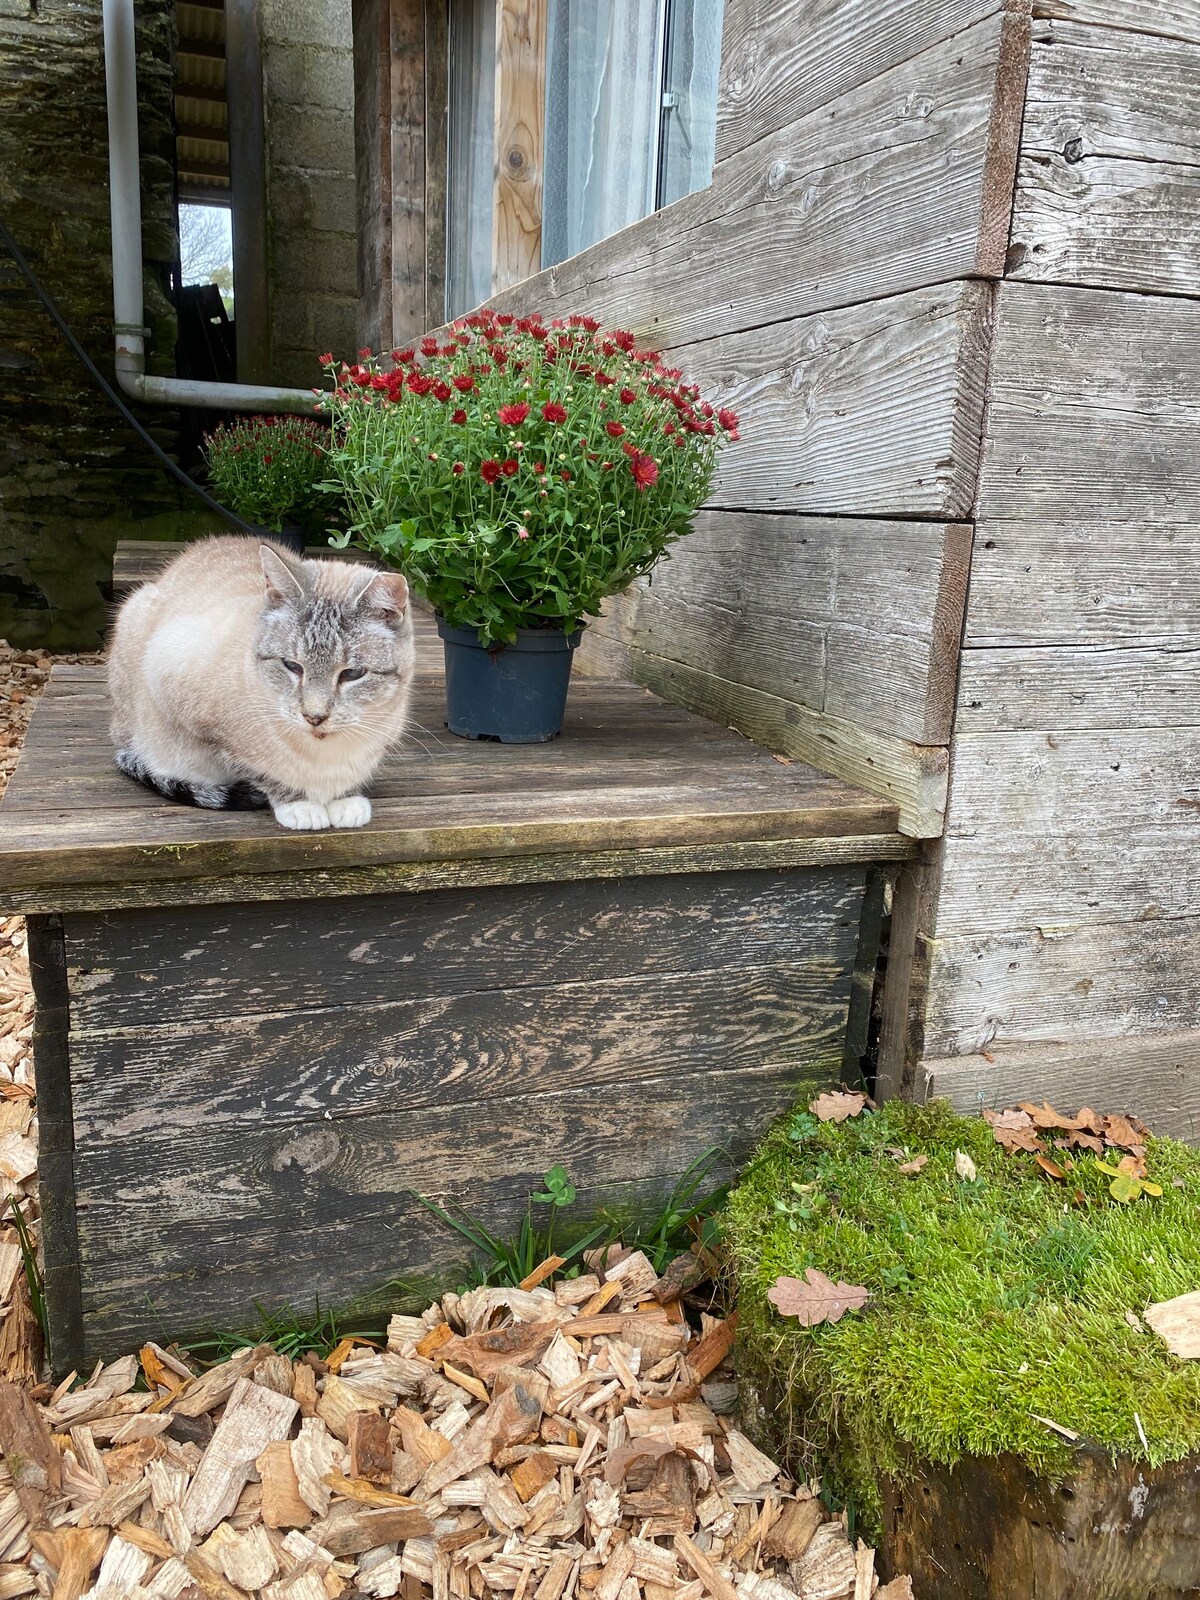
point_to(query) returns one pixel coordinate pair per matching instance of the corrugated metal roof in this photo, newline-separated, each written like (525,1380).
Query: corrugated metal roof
(202,137)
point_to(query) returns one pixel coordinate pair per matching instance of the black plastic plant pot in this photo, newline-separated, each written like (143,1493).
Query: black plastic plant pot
(515,693)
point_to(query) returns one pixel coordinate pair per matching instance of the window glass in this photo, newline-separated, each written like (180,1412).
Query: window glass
(689,116)
(603,93)
(471,164)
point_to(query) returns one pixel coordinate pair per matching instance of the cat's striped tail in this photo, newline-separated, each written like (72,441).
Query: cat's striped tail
(212,796)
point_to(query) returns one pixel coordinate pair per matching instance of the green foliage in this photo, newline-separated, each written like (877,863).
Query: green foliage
(993,1302)
(292,1334)
(517,474)
(270,470)
(29,1262)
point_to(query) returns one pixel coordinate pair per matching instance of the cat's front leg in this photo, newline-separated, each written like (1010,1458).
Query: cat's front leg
(306,815)
(351,811)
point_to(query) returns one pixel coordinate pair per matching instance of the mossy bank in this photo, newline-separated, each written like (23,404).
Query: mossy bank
(994,1301)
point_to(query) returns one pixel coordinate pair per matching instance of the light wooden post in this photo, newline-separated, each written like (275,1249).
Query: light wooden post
(519,140)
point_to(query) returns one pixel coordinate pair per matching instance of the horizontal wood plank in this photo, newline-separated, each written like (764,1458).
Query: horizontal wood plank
(1155,1076)
(850,616)
(1080,686)
(912,776)
(1085,582)
(780,59)
(1064,828)
(898,184)
(251,960)
(1108,190)
(1095,408)
(1052,984)
(1170,19)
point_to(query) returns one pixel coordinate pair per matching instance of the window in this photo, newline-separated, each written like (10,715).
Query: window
(629,124)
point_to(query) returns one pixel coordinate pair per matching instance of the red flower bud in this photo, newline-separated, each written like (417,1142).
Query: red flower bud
(553,412)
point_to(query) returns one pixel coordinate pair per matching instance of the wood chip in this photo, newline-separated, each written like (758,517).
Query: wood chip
(253,1418)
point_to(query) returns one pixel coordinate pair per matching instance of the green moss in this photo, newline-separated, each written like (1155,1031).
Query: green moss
(992,1299)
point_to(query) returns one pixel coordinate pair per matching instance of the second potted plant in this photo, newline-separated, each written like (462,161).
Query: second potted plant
(518,473)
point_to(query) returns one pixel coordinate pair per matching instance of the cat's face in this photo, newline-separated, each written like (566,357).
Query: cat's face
(334,645)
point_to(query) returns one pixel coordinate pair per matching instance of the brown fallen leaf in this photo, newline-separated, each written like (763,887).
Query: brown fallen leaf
(815,1298)
(1051,1168)
(1044,1116)
(1013,1130)
(835,1105)
(1177,1324)
(1122,1132)
(908,1168)
(649,1448)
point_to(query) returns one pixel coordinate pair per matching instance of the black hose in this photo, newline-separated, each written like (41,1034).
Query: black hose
(107,389)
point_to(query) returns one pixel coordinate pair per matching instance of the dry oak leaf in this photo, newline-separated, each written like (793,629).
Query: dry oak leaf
(1050,1168)
(1126,1132)
(1177,1324)
(1013,1130)
(835,1105)
(816,1300)
(909,1168)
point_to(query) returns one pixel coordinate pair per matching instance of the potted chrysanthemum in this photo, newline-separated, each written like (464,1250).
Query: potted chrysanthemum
(518,473)
(270,471)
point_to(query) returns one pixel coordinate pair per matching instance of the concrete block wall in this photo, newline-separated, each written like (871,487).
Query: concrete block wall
(308,100)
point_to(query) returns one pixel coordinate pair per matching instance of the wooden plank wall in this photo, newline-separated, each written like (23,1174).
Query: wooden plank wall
(1062,945)
(832,285)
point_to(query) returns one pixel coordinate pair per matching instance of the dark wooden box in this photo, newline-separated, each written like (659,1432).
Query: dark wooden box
(615,952)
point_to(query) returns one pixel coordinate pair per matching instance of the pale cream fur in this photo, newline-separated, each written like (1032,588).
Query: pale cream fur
(202,696)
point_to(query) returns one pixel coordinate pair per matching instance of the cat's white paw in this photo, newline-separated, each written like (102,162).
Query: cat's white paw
(354,811)
(305,814)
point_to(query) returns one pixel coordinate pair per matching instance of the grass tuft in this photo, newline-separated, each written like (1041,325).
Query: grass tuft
(992,1300)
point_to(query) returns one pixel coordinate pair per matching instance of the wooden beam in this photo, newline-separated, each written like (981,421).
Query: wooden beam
(248,180)
(437,117)
(371,22)
(406,98)
(520,134)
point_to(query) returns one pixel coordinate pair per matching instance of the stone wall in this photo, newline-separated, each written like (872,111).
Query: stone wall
(73,477)
(308,100)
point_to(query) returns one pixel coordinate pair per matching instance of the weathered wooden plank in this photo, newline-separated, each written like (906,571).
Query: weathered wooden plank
(1155,1076)
(1081,686)
(437,134)
(1089,582)
(371,22)
(354,1168)
(1094,409)
(404,97)
(782,58)
(444,1050)
(1172,19)
(1109,186)
(1038,986)
(854,617)
(873,409)
(912,776)
(519,139)
(901,183)
(1063,828)
(257,959)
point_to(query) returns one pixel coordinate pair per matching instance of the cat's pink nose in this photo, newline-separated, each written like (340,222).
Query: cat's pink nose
(316,718)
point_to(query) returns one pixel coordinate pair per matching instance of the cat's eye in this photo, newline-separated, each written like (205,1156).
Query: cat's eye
(351,674)
(293,667)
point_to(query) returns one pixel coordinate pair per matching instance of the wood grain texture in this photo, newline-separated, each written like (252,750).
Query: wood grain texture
(853,617)
(219,1252)
(252,960)
(371,24)
(1045,582)
(437,134)
(1064,828)
(1046,985)
(404,94)
(519,140)
(1155,1076)
(1081,686)
(781,59)
(913,777)
(1094,408)
(1170,19)
(1109,186)
(722,790)
(904,182)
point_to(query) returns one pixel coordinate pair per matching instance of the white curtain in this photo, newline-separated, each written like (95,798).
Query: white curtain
(689,137)
(603,103)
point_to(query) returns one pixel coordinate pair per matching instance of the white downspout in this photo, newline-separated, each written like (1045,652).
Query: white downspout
(124,170)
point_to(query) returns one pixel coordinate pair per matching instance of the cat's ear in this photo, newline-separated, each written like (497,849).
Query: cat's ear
(384,595)
(283,586)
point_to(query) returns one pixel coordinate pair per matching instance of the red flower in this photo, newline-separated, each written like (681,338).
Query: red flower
(728,420)
(458,416)
(458,469)
(442,391)
(267,459)
(553,412)
(512,416)
(645,472)
(628,396)
(489,471)
(464,383)
(565,475)
(539,468)
(326,360)
(429,346)
(365,353)
(614,429)
(509,468)
(603,379)
(623,340)
(403,357)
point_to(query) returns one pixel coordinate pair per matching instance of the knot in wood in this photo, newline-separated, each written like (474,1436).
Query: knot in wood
(1073,151)
(516,160)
